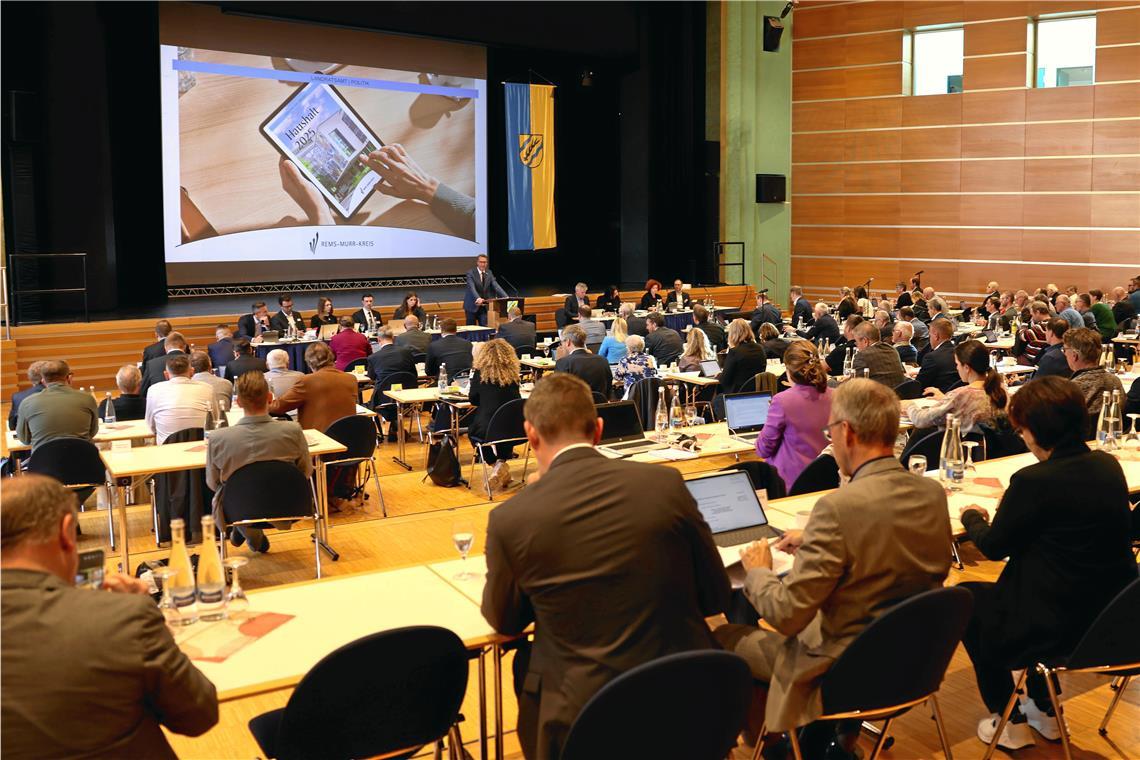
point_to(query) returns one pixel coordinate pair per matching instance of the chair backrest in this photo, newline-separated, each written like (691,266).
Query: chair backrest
(419,357)
(266,491)
(356,432)
(561,318)
(643,394)
(929,445)
(186,435)
(352,365)
(1113,639)
(599,398)
(507,422)
(909,389)
(902,655)
(762,475)
(701,697)
(820,475)
(593,348)
(71,461)
(406,379)
(761,382)
(387,691)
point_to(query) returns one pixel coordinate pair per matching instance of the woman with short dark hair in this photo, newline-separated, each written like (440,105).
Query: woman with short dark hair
(1067,557)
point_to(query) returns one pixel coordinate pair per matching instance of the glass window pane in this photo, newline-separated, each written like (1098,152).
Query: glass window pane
(938,61)
(1066,51)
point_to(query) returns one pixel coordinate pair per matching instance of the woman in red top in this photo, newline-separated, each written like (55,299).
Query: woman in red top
(348,345)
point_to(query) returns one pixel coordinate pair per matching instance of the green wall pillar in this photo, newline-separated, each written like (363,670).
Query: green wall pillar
(756,138)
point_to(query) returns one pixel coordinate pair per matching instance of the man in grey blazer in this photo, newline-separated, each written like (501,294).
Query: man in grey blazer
(611,579)
(413,336)
(204,373)
(279,376)
(256,437)
(83,673)
(880,359)
(519,332)
(880,538)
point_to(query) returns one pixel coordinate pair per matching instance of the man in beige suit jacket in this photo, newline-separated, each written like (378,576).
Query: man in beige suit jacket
(83,673)
(882,537)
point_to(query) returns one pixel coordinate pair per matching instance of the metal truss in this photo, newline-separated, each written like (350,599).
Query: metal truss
(263,288)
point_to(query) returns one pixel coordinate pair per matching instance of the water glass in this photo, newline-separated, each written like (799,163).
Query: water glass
(237,603)
(166,605)
(917,464)
(463,536)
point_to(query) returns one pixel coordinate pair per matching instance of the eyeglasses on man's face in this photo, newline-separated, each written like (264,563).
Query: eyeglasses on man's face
(829,426)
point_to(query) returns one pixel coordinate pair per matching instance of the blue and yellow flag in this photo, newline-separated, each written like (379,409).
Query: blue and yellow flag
(530,166)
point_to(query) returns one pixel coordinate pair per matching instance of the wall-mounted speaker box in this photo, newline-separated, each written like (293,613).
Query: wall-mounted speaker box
(771,188)
(773,28)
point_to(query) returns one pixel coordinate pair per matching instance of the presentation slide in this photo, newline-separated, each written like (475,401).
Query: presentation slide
(302,163)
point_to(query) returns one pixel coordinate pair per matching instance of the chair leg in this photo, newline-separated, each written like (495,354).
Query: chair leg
(1120,687)
(376,481)
(954,552)
(526,461)
(794,738)
(486,482)
(438,754)
(882,740)
(1048,674)
(934,708)
(317,542)
(758,750)
(153,510)
(1005,715)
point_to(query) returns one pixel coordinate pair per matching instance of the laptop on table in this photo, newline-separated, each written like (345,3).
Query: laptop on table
(710,368)
(730,506)
(622,433)
(746,414)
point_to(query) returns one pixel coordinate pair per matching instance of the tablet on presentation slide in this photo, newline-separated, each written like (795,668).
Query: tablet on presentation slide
(318,131)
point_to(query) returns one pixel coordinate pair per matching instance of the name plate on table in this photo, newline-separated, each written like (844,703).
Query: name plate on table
(123,445)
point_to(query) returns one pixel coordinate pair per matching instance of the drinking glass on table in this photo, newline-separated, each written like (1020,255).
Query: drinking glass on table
(237,603)
(969,446)
(1132,439)
(463,535)
(166,604)
(917,464)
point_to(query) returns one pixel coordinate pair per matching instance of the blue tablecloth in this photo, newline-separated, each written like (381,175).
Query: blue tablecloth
(474,336)
(296,352)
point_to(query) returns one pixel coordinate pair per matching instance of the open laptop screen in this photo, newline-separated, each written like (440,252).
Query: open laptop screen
(710,368)
(746,412)
(727,501)
(619,422)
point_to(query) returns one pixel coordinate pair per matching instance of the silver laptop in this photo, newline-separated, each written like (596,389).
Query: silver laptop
(710,368)
(622,433)
(728,502)
(270,336)
(746,414)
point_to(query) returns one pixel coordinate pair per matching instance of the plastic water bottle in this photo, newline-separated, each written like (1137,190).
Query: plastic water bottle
(951,465)
(442,378)
(676,413)
(108,409)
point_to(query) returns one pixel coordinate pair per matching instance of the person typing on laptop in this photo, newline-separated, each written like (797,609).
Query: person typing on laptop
(880,538)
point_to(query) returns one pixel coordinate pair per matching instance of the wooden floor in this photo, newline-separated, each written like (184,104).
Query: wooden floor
(418,530)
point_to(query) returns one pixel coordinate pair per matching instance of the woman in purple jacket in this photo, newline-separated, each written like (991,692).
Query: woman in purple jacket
(793,434)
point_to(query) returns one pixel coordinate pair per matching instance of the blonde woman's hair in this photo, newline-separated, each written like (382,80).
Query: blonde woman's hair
(739,332)
(695,345)
(621,330)
(768,331)
(497,363)
(804,365)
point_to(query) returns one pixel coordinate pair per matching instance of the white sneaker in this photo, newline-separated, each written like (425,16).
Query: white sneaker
(1040,721)
(1013,736)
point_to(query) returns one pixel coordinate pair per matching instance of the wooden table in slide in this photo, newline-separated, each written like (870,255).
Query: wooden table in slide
(123,466)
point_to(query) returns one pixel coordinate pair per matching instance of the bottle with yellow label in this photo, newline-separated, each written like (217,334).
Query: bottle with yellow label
(182,575)
(211,578)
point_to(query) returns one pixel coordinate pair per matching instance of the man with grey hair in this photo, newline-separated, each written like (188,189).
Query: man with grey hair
(517,331)
(58,411)
(1066,312)
(577,302)
(883,322)
(634,324)
(595,330)
(413,336)
(279,376)
(86,673)
(882,537)
(129,405)
(591,368)
(204,373)
(879,360)
(938,311)
(35,377)
(900,337)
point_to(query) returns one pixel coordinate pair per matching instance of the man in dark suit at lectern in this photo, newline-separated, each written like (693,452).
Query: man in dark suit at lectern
(481,286)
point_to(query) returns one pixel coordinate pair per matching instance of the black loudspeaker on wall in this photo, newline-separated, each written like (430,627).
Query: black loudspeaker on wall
(773,28)
(771,188)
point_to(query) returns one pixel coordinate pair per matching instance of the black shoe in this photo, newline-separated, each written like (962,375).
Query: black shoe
(263,547)
(777,748)
(393,437)
(237,538)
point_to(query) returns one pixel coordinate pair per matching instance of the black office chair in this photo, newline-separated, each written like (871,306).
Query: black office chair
(182,494)
(702,697)
(270,491)
(643,394)
(762,475)
(928,443)
(593,348)
(505,426)
(350,368)
(908,389)
(75,463)
(561,318)
(821,474)
(1110,647)
(896,663)
(381,403)
(599,398)
(359,435)
(387,694)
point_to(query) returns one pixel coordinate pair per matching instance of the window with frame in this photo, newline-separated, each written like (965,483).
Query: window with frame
(1065,51)
(936,60)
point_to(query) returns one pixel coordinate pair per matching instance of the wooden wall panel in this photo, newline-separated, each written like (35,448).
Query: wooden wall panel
(1003,181)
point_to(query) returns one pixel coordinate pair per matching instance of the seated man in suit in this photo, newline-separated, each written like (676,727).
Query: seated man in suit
(939,369)
(413,336)
(179,402)
(802,313)
(129,405)
(286,316)
(366,316)
(58,411)
(35,377)
(823,327)
(634,324)
(879,358)
(766,312)
(125,677)
(519,332)
(244,361)
(162,328)
(221,351)
(204,373)
(663,343)
(595,330)
(154,370)
(1083,350)
(880,538)
(576,302)
(450,349)
(321,397)
(920,333)
(900,337)
(1051,360)
(348,345)
(677,298)
(256,437)
(591,368)
(279,376)
(617,545)
(252,325)
(389,359)
(714,332)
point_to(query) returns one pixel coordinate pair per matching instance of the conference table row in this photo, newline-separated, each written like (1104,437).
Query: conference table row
(326,614)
